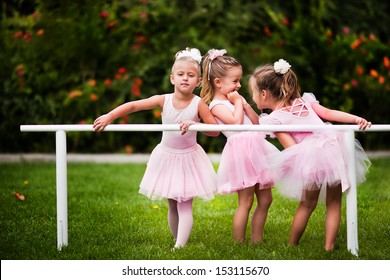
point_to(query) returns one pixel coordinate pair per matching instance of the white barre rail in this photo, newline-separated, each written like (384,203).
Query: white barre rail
(61,161)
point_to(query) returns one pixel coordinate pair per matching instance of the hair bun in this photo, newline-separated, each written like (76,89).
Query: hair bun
(281,66)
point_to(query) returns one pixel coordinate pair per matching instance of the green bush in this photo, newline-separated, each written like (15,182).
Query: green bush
(70,61)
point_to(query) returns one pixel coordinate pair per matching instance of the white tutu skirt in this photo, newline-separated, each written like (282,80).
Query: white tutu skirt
(179,174)
(315,163)
(245,163)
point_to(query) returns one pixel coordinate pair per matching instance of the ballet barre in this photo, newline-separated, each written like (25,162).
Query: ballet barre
(61,161)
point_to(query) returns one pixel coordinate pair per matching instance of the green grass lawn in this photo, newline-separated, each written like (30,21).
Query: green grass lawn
(109,220)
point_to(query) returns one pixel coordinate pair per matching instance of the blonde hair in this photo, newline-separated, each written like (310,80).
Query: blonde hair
(212,69)
(179,57)
(283,87)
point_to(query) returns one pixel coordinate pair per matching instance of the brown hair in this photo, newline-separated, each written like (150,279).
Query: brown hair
(216,68)
(283,87)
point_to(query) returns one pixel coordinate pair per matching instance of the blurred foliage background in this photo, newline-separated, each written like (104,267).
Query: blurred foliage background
(66,62)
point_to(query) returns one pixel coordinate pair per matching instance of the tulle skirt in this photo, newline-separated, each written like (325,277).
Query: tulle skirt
(245,162)
(179,174)
(320,160)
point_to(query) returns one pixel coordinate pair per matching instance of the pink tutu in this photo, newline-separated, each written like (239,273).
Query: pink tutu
(244,163)
(179,174)
(316,162)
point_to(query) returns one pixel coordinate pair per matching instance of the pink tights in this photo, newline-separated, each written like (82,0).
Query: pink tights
(180,220)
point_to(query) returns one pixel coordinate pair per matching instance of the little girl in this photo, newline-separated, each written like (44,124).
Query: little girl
(178,168)
(244,161)
(311,161)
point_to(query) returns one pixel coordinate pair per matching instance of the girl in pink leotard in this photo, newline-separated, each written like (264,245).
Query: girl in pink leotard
(244,166)
(178,168)
(312,162)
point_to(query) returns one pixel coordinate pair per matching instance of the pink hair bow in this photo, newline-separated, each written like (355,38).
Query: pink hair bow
(213,54)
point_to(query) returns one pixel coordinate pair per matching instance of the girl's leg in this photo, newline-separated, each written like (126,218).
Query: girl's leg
(184,209)
(245,201)
(173,217)
(302,216)
(333,216)
(264,200)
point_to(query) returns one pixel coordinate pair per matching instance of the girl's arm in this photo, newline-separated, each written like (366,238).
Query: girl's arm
(339,116)
(127,108)
(247,109)
(252,115)
(207,117)
(285,139)
(223,113)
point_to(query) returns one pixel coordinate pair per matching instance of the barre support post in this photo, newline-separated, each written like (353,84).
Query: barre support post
(351,197)
(62,189)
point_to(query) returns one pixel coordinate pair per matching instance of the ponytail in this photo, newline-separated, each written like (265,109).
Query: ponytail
(290,87)
(282,86)
(207,91)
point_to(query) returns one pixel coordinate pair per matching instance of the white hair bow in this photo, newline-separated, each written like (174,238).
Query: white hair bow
(281,66)
(193,53)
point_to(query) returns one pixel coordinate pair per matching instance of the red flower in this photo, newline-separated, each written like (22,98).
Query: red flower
(143,15)
(137,81)
(386,62)
(107,82)
(104,14)
(122,70)
(141,39)
(356,44)
(374,73)
(285,21)
(27,37)
(359,70)
(74,94)
(92,83)
(112,23)
(18,34)
(135,90)
(93,97)
(354,83)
